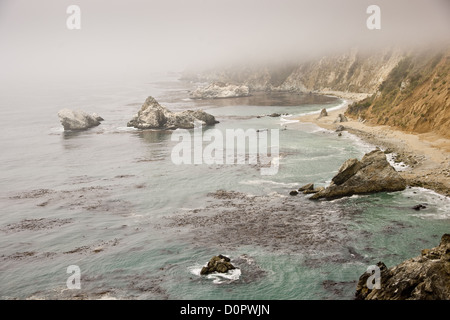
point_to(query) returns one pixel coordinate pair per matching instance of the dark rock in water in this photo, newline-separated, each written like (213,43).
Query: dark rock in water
(372,174)
(154,116)
(218,263)
(419,206)
(425,277)
(340,134)
(274,115)
(309,186)
(293,193)
(347,170)
(77,119)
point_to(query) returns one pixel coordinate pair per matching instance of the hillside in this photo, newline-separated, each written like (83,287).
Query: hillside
(407,90)
(414,97)
(354,71)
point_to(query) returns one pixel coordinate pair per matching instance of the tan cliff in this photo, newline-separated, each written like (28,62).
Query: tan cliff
(414,97)
(407,90)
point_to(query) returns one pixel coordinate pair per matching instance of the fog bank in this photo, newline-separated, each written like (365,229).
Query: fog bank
(126,38)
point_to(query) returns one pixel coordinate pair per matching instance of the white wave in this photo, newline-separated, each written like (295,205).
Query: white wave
(438,206)
(398,166)
(126,129)
(343,104)
(286,121)
(57,129)
(362,145)
(217,277)
(262,181)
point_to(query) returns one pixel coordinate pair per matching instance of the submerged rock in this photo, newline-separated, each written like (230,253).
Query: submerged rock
(154,116)
(372,174)
(425,277)
(78,120)
(218,263)
(218,90)
(419,207)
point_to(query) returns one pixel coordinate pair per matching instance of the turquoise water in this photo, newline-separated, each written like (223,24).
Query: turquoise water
(110,200)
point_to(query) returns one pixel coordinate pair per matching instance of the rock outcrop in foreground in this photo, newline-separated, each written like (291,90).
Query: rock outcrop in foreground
(219,90)
(154,116)
(372,174)
(426,277)
(218,263)
(78,120)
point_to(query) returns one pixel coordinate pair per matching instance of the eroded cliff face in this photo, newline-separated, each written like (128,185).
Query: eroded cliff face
(354,71)
(414,96)
(408,90)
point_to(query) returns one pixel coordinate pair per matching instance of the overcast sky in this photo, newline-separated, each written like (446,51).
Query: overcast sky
(132,36)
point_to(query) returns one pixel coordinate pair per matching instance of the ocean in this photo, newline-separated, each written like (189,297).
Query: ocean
(111,202)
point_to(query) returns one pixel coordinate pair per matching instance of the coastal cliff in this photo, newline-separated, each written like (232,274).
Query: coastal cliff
(414,97)
(354,71)
(407,90)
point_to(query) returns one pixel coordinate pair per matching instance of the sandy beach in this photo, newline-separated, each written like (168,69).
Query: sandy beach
(426,155)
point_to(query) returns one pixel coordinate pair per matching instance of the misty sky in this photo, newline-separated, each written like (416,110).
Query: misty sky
(126,37)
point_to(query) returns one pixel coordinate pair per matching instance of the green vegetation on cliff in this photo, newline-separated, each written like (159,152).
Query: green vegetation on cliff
(413,97)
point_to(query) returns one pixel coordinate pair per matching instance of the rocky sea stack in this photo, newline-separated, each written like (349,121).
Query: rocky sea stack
(218,263)
(78,120)
(426,277)
(218,90)
(154,116)
(372,174)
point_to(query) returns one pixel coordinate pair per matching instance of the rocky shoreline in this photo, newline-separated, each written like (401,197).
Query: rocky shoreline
(426,156)
(371,174)
(425,277)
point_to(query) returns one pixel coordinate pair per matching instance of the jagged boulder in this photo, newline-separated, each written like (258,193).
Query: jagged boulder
(372,174)
(154,116)
(218,90)
(218,263)
(309,186)
(315,190)
(78,120)
(425,277)
(323,113)
(341,118)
